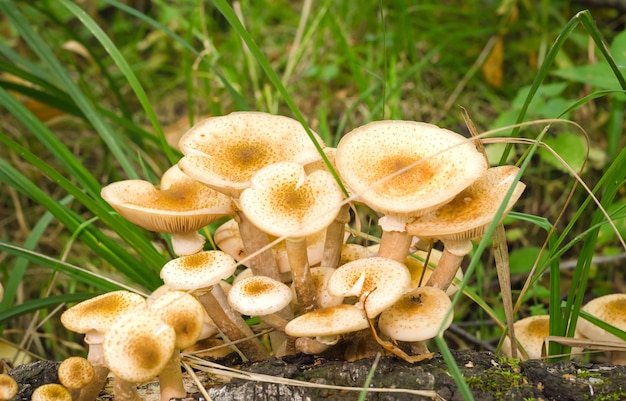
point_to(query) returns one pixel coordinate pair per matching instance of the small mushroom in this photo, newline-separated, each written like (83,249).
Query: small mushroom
(404,169)
(181,206)
(75,373)
(51,392)
(530,333)
(8,387)
(283,201)
(612,310)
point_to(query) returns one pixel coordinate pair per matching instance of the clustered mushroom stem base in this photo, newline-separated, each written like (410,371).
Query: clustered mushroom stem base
(262,263)
(232,324)
(95,356)
(125,391)
(171,379)
(395,245)
(449,263)
(334,238)
(301,273)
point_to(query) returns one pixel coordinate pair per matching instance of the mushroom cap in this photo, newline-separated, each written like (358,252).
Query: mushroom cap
(377,282)
(183,312)
(51,392)
(259,296)
(609,308)
(180,205)
(352,252)
(445,164)
(417,315)
(8,387)
(98,313)
(283,201)
(75,372)
(321,276)
(224,152)
(330,321)
(470,213)
(201,270)
(138,345)
(530,332)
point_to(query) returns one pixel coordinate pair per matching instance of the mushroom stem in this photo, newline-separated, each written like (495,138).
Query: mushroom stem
(618,357)
(124,390)
(187,243)
(232,324)
(171,379)
(451,258)
(275,321)
(394,245)
(95,355)
(334,238)
(310,345)
(301,273)
(263,263)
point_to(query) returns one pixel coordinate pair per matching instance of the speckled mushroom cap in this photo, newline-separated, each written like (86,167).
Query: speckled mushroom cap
(201,270)
(259,296)
(180,205)
(138,345)
(334,320)
(417,315)
(183,312)
(377,282)
(283,201)
(530,332)
(321,276)
(368,156)
(75,372)
(224,152)
(100,312)
(51,392)
(609,308)
(8,387)
(471,212)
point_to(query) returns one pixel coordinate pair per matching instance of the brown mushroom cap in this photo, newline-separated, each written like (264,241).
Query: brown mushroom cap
(283,201)
(329,321)
(76,372)
(445,164)
(417,315)
(100,312)
(138,345)
(184,313)
(224,152)
(609,308)
(8,387)
(259,296)
(530,332)
(180,205)
(378,282)
(201,270)
(470,213)
(51,392)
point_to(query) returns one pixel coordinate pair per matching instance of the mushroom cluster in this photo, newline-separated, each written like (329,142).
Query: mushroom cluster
(285,244)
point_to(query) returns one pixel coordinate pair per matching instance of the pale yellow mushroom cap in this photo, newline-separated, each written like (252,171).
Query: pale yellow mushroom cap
(51,392)
(334,320)
(138,345)
(100,312)
(377,282)
(609,308)
(471,212)
(201,270)
(8,387)
(283,201)
(259,296)
(368,156)
(321,276)
(530,332)
(184,313)
(417,315)
(180,205)
(75,372)
(225,152)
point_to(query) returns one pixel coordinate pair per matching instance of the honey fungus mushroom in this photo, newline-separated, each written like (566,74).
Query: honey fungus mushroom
(181,206)
(612,310)
(411,169)
(530,333)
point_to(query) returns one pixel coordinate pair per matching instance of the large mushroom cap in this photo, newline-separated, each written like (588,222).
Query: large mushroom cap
(138,345)
(609,308)
(100,312)
(224,152)
(180,205)
(443,164)
(417,316)
(201,270)
(471,212)
(530,332)
(184,313)
(283,201)
(329,321)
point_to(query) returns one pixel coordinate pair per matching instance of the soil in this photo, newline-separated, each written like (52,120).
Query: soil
(489,378)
